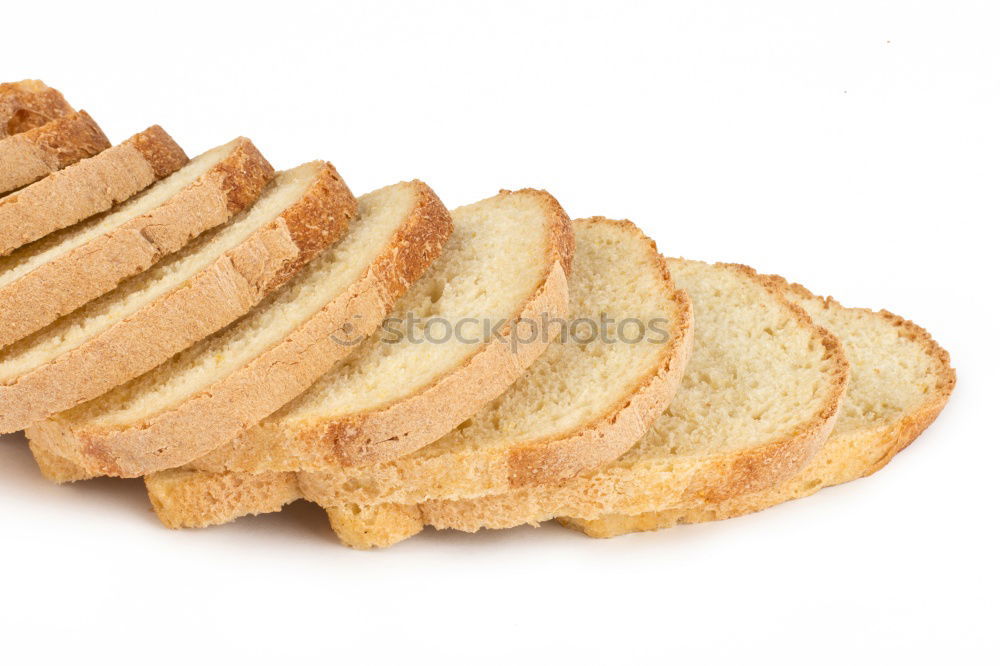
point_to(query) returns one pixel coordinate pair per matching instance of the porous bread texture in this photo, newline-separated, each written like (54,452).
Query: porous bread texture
(503,263)
(900,381)
(582,403)
(189,498)
(88,187)
(27,104)
(760,396)
(186,297)
(224,384)
(30,155)
(53,276)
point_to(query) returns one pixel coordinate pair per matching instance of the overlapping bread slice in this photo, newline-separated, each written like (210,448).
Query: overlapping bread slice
(399,392)
(35,153)
(61,272)
(583,402)
(88,187)
(27,104)
(224,384)
(760,395)
(184,298)
(900,381)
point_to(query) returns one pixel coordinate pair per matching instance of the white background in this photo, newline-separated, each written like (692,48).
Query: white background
(853,147)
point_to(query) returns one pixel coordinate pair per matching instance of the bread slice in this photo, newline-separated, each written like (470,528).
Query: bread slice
(61,272)
(88,187)
(208,394)
(760,396)
(27,104)
(186,297)
(900,381)
(581,403)
(399,393)
(30,155)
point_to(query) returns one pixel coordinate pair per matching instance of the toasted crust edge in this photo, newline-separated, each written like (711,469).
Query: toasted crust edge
(217,414)
(60,143)
(83,273)
(89,187)
(25,105)
(160,151)
(206,302)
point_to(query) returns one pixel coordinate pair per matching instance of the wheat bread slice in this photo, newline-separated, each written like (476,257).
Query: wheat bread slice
(59,273)
(761,393)
(206,395)
(550,424)
(28,104)
(34,154)
(187,296)
(89,187)
(403,390)
(900,381)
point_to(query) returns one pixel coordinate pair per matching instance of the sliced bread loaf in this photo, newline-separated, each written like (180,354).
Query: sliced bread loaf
(186,297)
(404,389)
(760,396)
(900,381)
(208,394)
(27,104)
(583,402)
(88,187)
(30,155)
(61,272)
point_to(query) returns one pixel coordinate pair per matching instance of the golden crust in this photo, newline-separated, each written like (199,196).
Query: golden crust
(160,152)
(216,415)
(428,412)
(213,298)
(28,104)
(844,457)
(30,155)
(76,277)
(86,188)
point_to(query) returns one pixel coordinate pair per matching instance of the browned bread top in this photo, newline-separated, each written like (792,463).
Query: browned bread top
(27,104)
(30,155)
